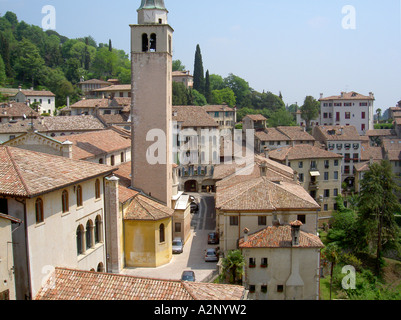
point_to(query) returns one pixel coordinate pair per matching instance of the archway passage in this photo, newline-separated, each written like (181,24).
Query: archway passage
(191,186)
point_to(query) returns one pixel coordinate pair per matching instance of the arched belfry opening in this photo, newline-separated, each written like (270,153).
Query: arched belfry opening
(145,43)
(153,42)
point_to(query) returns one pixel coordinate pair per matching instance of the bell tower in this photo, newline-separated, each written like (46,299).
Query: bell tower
(151,101)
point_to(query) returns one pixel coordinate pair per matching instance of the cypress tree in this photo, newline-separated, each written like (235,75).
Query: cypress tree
(208,92)
(5,53)
(110,46)
(199,77)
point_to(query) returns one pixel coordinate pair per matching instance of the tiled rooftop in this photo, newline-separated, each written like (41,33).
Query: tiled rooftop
(348,96)
(279,237)
(336,133)
(144,208)
(193,116)
(16,109)
(91,144)
(28,174)
(301,151)
(66,284)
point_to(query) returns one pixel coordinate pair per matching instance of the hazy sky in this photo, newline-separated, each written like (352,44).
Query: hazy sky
(298,47)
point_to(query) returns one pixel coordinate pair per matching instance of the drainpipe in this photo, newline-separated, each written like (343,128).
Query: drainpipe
(29,297)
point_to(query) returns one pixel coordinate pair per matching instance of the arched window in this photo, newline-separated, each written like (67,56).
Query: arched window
(153,42)
(112,160)
(97,189)
(89,235)
(162,233)
(100,267)
(39,210)
(145,43)
(80,240)
(65,203)
(122,157)
(79,196)
(98,229)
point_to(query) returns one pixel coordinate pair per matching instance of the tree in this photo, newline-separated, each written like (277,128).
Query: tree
(331,254)
(216,82)
(5,53)
(208,92)
(197,98)
(310,110)
(110,46)
(233,266)
(199,75)
(3,76)
(281,118)
(377,204)
(240,88)
(29,62)
(379,114)
(178,66)
(224,96)
(180,94)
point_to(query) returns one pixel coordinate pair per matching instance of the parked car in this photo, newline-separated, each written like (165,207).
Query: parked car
(213,238)
(211,255)
(194,207)
(178,246)
(188,276)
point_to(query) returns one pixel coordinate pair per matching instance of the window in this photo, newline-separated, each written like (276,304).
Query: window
(327,193)
(145,43)
(348,115)
(234,221)
(112,160)
(97,189)
(263,263)
(300,165)
(338,104)
(335,175)
(363,127)
(98,229)
(177,227)
(252,288)
(153,42)
(162,234)
(302,218)
(80,239)
(301,177)
(79,196)
(39,210)
(327,164)
(263,289)
(48,101)
(100,267)
(89,234)
(100,161)
(326,207)
(262,221)
(336,163)
(122,158)
(363,104)
(313,164)
(326,176)
(64,200)
(280,288)
(252,262)
(335,192)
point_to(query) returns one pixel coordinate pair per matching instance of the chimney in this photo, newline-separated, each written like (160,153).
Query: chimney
(266,152)
(342,94)
(295,231)
(263,169)
(68,101)
(19,88)
(246,231)
(321,96)
(67,149)
(371,95)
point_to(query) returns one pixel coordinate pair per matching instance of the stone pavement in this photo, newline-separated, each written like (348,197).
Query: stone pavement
(193,256)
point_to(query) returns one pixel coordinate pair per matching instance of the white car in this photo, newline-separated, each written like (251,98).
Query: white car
(178,246)
(211,255)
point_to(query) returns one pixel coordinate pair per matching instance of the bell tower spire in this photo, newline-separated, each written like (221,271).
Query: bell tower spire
(152,12)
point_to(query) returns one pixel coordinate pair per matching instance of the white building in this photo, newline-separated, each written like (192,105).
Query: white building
(348,109)
(46,99)
(67,208)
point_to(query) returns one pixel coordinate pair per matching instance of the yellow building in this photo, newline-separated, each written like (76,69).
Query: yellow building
(147,233)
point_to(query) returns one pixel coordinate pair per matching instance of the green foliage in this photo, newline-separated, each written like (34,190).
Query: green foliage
(223,96)
(197,99)
(310,110)
(281,118)
(199,75)
(3,76)
(180,94)
(178,66)
(233,267)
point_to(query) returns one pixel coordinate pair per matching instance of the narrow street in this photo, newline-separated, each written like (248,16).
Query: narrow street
(192,258)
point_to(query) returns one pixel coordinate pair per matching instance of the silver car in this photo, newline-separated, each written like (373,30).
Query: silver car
(178,246)
(211,255)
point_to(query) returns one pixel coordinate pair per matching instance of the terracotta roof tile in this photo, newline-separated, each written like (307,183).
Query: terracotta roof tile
(193,116)
(348,96)
(92,144)
(28,174)
(279,237)
(144,208)
(66,284)
(16,109)
(301,151)
(37,93)
(336,133)
(256,117)
(218,108)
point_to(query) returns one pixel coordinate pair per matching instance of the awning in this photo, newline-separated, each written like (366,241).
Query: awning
(315,173)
